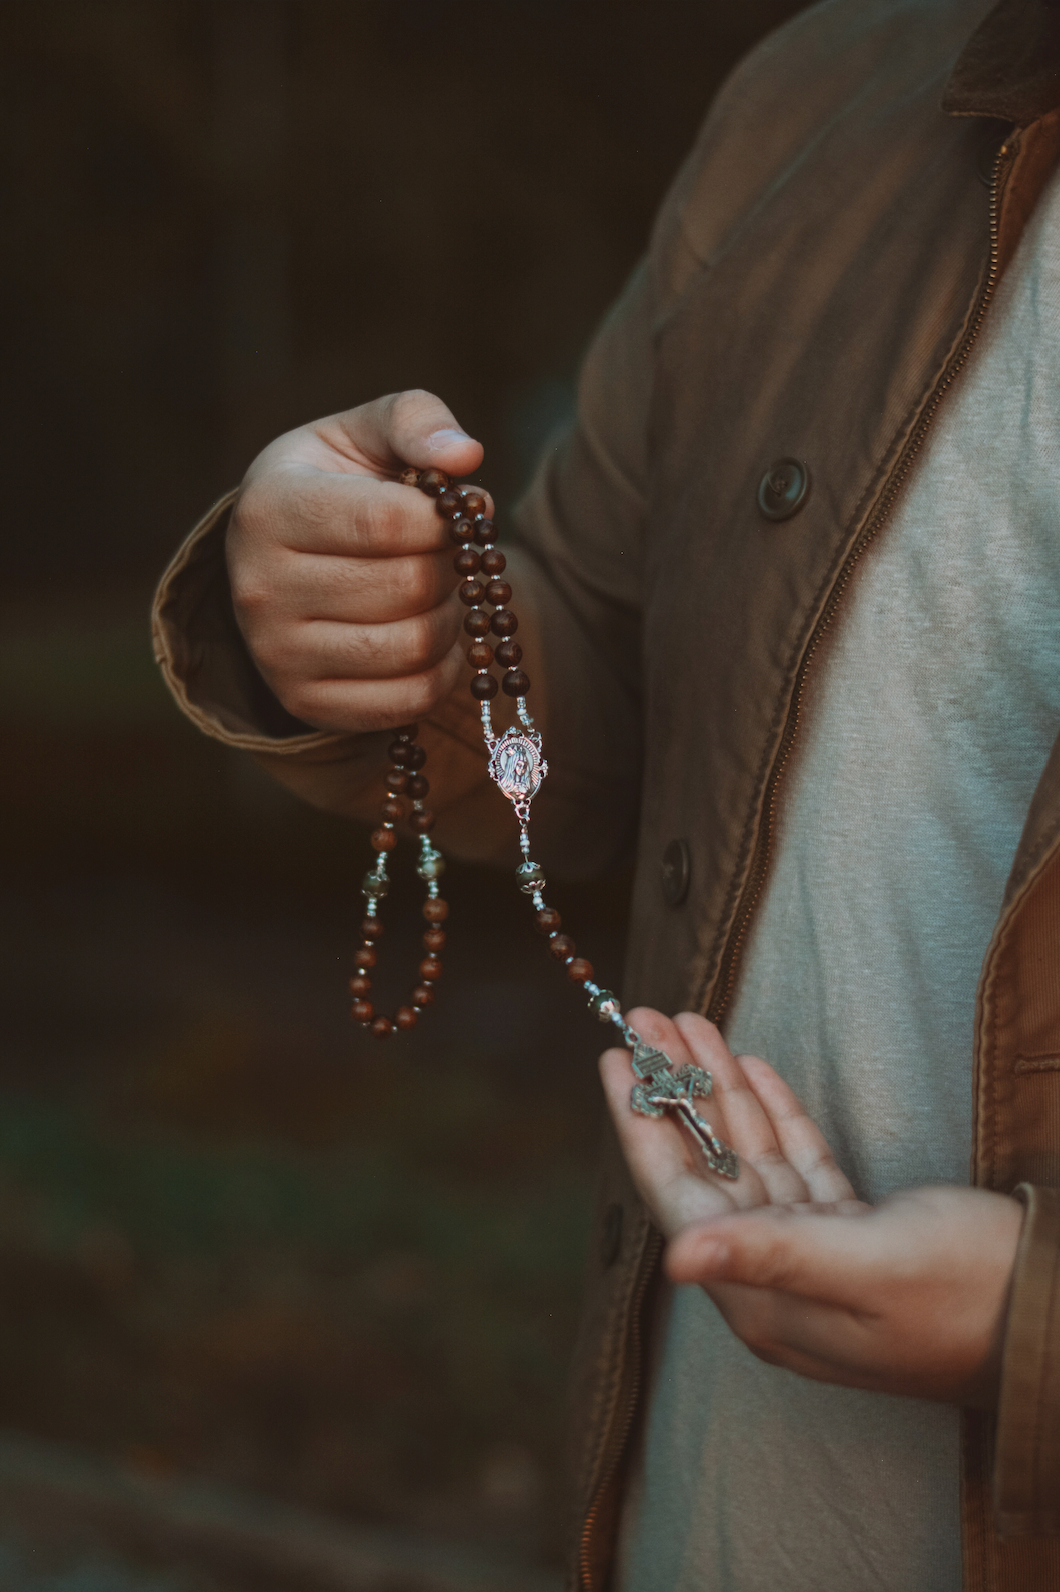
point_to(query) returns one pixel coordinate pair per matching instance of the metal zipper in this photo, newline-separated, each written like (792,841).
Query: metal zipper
(756,877)
(617,1446)
(763,846)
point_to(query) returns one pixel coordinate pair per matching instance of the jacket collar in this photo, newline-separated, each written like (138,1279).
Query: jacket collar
(1010,67)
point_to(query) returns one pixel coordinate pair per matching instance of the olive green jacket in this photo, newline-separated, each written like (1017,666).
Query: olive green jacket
(816,278)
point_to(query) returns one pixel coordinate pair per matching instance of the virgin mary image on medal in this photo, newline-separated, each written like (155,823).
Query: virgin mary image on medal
(517,766)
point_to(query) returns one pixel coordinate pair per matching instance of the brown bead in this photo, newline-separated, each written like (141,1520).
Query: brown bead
(435,910)
(467,562)
(548,921)
(504,622)
(371,928)
(474,501)
(494,562)
(397,780)
(366,956)
(509,653)
(418,786)
(484,687)
(471,593)
(398,752)
(480,655)
(409,476)
(422,995)
(383,839)
(405,1017)
(362,1011)
(360,984)
(382,1028)
(461,530)
(422,822)
(578,970)
(434,940)
(498,593)
(392,810)
(430,969)
(561,946)
(433,482)
(449,503)
(477,622)
(415,757)
(516,683)
(483,531)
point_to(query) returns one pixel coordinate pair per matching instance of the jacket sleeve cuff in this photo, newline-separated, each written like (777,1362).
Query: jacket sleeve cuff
(1027,1456)
(204,659)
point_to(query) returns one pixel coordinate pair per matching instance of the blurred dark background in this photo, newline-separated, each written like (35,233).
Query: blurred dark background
(257,1276)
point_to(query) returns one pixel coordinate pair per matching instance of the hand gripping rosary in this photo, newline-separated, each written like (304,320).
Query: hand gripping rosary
(517,767)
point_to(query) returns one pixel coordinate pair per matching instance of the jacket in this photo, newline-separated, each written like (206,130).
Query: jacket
(815,281)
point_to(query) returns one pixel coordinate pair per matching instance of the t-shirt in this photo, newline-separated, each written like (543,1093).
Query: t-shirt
(928,719)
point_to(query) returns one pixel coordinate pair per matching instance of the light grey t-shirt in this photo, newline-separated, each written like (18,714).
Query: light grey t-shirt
(928,720)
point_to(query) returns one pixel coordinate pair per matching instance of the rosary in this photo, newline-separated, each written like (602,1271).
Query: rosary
(517,767)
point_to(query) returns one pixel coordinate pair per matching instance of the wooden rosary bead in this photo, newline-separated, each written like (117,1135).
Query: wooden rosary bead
(494,562)
(498,592)
(360,984)
(474,502)
(477,622)
(578,970)
(423,995)
(480,655)
(450,503)
(362,1011)
(509,653)
(548,921)
(433,482)
(436,910)
(398,752)
(382,1028)
(561,946)
(483,532)
(371,928)
(422,823)
(392,810)
(405,1017)
(366,956)
(504,622)
(434,940)
(461,530)
(467,562)
(430,969)
(397,780)
(471,593)
(483,687)
(409,476)
(383,840)
(415,757)
(516,683)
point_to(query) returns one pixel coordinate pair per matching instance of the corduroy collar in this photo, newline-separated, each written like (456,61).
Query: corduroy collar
(1010,67)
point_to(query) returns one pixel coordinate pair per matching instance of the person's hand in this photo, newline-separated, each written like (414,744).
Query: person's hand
(908,1297)
(342,579)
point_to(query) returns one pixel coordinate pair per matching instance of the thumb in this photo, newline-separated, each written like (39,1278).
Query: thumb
(815,1251)
(414,428)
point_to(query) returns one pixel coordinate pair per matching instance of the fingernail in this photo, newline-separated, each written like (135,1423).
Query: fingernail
(446,439)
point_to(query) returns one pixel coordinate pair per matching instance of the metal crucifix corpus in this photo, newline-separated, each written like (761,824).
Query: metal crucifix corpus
(666,1088)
